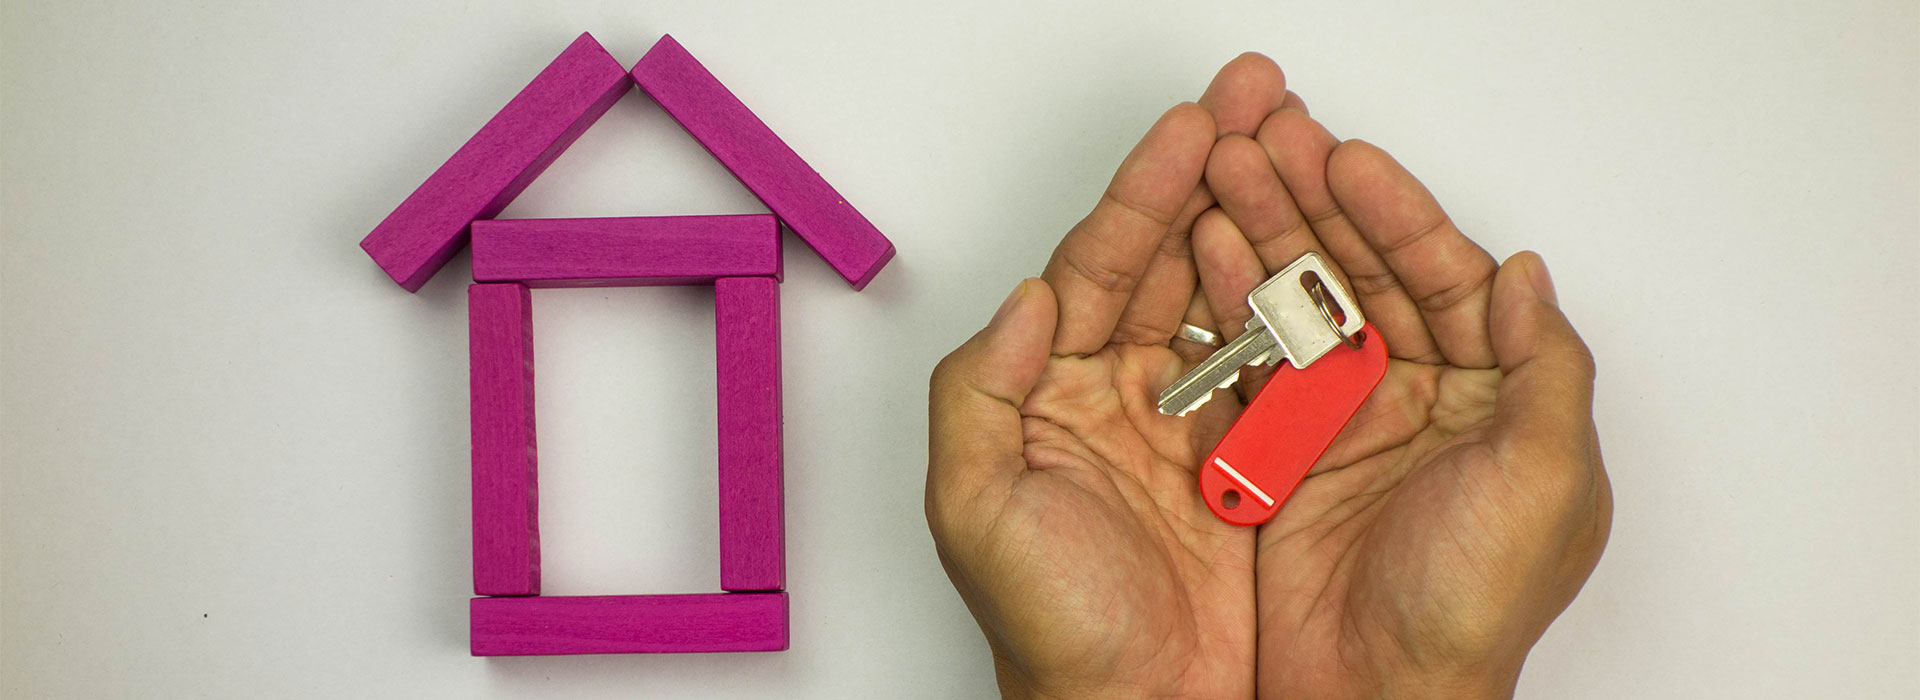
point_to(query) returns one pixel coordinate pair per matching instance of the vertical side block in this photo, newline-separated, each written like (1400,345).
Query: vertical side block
(752,533)
(497,163)
(762,162)
(506,503)
(632,624)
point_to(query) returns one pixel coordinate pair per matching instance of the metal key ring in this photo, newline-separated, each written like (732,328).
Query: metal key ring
(1319,292)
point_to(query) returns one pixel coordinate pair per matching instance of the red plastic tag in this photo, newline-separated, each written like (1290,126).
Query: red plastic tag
(1286,428)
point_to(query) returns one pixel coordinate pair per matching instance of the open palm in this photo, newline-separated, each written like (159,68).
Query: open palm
(1464,505)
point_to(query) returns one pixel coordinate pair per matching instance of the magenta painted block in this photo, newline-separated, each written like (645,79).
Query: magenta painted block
(636,624)
(626,251)
(762,162)
(746,312)
(506,503)
(497,163)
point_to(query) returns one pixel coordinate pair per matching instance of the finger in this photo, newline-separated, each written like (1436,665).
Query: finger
(1449,277)
(1293,102)
(1544,411)
(1168,286)
(974,433)
(1099,264)
(1229,270)
(1299,148)
(1243,93)
(1251,194)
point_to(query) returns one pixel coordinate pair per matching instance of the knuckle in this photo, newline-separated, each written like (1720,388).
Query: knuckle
(1103,273)
(946,374)
(1130,331)
(1452,295)
(1373,283)
(1296,230)
(1575,362)
(1177,244)
(1326,215)
(1416,236)
(1139,211)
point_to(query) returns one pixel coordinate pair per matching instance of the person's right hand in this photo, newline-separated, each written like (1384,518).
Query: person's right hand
(1465,504)
(1062,503)
(1060,500)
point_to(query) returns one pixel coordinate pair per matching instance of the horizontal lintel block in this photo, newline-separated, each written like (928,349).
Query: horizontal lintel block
(633,624)
(765,164)
(499,161)
(506,504)
(626,251)
(747,346)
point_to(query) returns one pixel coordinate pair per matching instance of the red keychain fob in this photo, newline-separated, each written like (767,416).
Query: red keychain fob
(1286,427)
(1328,362)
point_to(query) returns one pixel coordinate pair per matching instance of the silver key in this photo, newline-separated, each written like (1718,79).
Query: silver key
(1287,324)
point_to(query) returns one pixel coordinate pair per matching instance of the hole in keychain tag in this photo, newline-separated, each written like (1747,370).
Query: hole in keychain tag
(1286,428)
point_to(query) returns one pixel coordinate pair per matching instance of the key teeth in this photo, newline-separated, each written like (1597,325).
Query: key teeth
(1207,397)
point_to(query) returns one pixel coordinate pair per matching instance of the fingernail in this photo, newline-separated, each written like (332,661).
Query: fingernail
(1013,299)
(1542,281)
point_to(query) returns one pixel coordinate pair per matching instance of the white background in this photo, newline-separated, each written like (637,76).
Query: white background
(235,454)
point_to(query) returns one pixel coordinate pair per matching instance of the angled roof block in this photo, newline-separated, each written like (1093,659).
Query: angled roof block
(497,163)
(762,162)
(626,251)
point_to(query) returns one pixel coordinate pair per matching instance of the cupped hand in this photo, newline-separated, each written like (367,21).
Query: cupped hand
(1465,504)
(1062,502)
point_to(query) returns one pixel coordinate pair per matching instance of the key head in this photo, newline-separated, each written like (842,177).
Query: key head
(1286,305)
(1286,428)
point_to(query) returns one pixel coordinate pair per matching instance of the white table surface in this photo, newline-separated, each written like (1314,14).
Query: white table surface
(233,456)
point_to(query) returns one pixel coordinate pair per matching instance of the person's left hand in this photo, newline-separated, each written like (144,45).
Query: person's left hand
(1465,504)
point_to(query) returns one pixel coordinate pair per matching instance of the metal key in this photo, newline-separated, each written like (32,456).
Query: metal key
(1287,324)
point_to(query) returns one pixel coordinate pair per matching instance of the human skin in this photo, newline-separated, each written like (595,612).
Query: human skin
(1426,552)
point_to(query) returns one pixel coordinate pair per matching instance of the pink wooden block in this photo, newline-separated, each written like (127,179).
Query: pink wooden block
(506,503)
(634,624)
(497,163)
(746,313)
(626,251)
(763,162)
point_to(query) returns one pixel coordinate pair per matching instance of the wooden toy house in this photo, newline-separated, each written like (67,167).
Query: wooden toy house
(738,254)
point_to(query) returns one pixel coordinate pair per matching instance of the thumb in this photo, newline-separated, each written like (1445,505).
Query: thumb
(1545,406)
(976,391)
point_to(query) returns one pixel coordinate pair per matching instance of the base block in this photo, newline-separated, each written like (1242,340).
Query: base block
(506,503)
(638,624)
(746,314)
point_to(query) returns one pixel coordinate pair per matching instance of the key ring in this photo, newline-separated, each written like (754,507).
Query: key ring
(1319,291)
